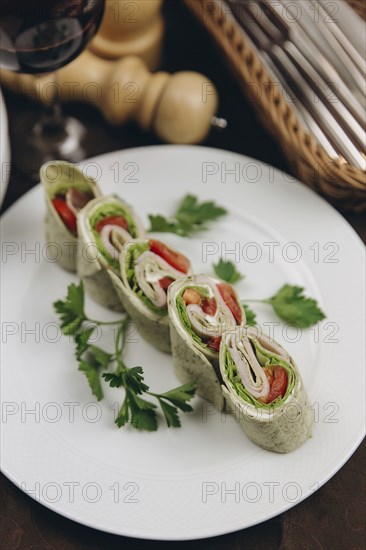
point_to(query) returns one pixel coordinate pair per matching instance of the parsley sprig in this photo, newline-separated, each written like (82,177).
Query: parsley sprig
(226,270)
(135,409)
(93,360)
(190,217)
(250,315)
(289,303)
(292,306)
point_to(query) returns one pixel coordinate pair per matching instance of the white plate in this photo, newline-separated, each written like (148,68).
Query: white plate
(4,149)
(206,478)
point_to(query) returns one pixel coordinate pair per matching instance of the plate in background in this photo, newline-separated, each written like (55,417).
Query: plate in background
(4,149)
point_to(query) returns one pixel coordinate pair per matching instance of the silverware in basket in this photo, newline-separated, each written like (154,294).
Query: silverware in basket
(317,66)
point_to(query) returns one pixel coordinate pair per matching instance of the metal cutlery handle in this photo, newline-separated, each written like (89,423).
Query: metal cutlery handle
(304,116)
(325,42)
(259,40)
(317,115)
(349,48)
(355,102)
(325,119)
(320,87)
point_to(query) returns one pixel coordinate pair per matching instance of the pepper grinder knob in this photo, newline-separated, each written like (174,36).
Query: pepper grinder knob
(131,28)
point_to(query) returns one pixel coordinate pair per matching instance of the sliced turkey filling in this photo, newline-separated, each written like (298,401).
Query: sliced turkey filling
(76,199)
(262,378)
(156,269)
(69,204)
(114,234)
(212,308)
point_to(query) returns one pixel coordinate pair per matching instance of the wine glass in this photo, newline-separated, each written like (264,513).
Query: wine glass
(40,37)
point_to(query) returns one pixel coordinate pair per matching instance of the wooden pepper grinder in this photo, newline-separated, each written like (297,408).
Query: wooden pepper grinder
(180,108)
(131,28)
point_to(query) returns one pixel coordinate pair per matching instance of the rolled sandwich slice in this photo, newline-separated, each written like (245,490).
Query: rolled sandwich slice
(201,309)
(67,191)
(264,390)
(105,225)
(147,269)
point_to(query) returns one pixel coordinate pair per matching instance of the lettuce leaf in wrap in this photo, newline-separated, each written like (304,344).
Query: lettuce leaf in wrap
(182,312)
(196,330)
(104,211)
(98,253)
(278,421)
(134,251)
(266,360)
(142,288)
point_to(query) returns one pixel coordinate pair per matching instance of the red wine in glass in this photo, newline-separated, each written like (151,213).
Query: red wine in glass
(41,36)
(44,35)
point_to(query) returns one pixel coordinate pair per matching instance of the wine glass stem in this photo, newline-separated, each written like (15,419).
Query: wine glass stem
(54,136)
(54,116)
(53,119)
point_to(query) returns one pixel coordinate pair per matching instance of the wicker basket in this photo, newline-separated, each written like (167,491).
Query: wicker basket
(343,184)
(359,6)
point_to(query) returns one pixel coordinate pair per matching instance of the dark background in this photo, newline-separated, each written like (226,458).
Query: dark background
(333,517)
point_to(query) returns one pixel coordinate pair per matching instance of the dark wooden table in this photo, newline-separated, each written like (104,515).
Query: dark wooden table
(333,517)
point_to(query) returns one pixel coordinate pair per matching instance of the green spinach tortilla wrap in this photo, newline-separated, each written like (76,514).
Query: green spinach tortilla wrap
(67,191)
(264,390)
(147,269)
(105,225)
(201,309)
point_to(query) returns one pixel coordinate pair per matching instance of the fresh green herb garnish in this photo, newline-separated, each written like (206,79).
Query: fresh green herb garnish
(190,217)
(92,372)
(227,272)
(292,306)
(134,409)
(92,360)
(289,303)
(71,310)
(250,316)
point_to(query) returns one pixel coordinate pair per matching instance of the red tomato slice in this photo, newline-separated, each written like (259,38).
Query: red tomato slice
(279,384)
(165,282)
(67,216)
(214,343)
(209,306)
(175,259)
(228,294)
(120,221)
